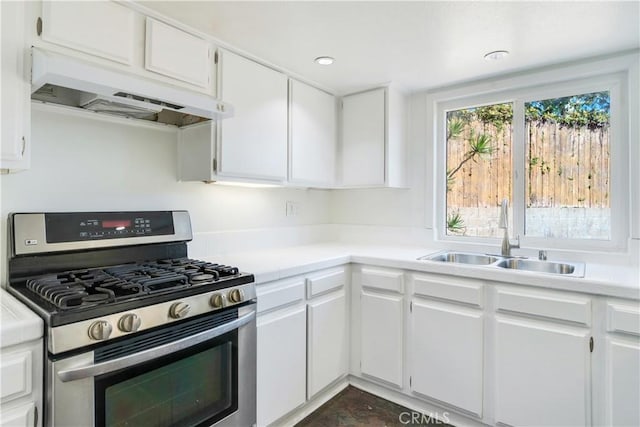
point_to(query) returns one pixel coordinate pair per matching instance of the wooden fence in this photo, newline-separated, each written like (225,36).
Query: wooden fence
(565,167)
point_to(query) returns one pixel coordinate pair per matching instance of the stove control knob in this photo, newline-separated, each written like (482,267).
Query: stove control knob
(100,330)
(129,322)
(236,295)
(179,310)
(217,301)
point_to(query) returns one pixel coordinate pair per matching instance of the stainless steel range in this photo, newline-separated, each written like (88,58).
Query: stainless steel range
(136,333)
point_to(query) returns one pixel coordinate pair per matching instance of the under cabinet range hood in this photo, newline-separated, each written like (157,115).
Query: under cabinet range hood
(60,79)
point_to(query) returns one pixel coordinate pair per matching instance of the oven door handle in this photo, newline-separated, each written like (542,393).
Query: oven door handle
(152,353)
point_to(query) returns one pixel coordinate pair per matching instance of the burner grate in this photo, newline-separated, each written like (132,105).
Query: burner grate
(86,288)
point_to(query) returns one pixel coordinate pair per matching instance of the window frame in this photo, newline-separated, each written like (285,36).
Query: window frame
(516,90)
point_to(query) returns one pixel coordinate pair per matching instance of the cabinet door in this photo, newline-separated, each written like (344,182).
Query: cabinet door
(447,362)
(381,336)
(542,373)
(327,341)
(363,138)
(21,416)
(100,28)
(174,53)
(16,93)
(253,143)
(623,381)
(281,375)
(312,149)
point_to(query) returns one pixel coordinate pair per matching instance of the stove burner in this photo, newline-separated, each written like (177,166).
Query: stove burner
(202,277)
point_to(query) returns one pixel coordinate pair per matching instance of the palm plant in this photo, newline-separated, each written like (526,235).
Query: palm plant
(455,223)
(478,145)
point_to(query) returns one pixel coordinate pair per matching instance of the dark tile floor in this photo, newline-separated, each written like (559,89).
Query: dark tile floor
(354,407)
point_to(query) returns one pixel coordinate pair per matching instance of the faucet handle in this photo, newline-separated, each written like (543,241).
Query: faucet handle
(517,245)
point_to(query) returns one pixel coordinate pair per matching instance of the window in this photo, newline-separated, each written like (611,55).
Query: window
(554,151)
(567,149)
(479,170)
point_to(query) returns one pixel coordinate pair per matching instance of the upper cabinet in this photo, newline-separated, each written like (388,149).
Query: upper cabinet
(119,35)
(373,147)
(16,89)
(253,144)
(105,29)
(312,139)
(174,53)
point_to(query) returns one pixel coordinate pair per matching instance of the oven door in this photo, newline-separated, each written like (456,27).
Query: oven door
(198,372)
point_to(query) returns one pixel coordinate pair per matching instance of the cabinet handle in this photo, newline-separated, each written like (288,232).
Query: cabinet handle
(24,146)
(35,417)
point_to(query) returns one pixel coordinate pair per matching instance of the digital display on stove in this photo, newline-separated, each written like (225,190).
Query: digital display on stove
(74,227)
(117,224)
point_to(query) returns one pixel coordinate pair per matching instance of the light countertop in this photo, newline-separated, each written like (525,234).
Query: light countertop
(274,264)
(18,324)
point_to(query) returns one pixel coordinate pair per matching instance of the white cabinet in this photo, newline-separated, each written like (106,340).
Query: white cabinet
(174,53)
(542,366)
(381,325)
(373,146)
(446,341)
(253,143)
(281,350)
(104,28)
(622,364)
(21,364)
(326,330)
(16,89)
(312,139)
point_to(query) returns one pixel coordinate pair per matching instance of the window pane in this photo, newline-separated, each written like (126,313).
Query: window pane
(479,142)
(567,167)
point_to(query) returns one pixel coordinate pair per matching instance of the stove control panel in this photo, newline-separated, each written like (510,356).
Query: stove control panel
(87,332)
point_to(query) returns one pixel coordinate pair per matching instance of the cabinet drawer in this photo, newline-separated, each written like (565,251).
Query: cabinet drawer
(103,28)
(554,305)
(387,280)
(449,288)
(325,282)
(174,53)
(275,295)
(15,377)
(623,318)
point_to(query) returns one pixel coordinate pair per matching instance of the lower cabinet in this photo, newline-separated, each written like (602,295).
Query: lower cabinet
(622,364)
(302,342)
(327,355)
(446,341)
(281,350)
(382,325)
(542,361)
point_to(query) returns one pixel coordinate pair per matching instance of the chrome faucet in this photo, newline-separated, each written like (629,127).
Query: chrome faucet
(504,223)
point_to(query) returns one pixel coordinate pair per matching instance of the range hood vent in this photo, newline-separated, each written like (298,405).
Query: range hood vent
(59,79)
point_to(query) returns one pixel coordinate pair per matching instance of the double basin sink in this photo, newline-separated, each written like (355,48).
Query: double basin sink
(572,269)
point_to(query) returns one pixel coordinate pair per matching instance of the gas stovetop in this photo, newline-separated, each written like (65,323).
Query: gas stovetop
(80,289)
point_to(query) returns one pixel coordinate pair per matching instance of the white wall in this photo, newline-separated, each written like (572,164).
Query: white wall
(81,164)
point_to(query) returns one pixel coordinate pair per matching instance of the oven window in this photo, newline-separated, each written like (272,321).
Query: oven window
(198,388)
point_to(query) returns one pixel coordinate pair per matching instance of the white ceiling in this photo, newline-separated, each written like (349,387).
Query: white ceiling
(417,45)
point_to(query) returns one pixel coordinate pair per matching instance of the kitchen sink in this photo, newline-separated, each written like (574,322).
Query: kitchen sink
(572,269)
(461,258)
(569,269)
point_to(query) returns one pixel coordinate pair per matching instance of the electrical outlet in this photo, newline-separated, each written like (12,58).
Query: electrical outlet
(291,208)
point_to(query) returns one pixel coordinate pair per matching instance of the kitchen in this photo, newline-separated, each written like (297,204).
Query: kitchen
(332,232)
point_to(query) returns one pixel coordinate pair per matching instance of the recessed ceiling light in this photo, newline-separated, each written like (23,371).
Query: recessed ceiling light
(496,55)
(324,60)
